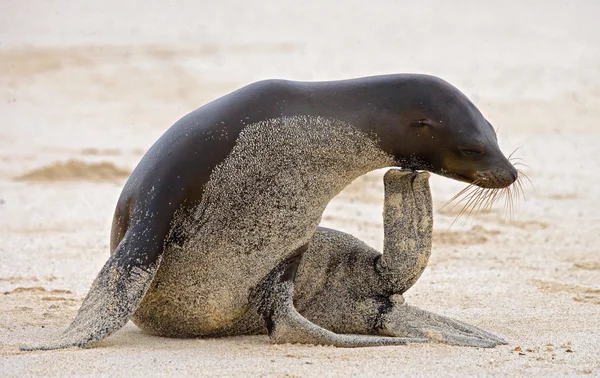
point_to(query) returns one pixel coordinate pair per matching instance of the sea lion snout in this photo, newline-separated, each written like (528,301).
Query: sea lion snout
(486,170)
(496,178)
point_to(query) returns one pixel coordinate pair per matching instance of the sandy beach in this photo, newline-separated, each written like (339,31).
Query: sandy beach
(85,89)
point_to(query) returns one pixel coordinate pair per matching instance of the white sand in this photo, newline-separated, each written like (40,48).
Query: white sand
(101,82)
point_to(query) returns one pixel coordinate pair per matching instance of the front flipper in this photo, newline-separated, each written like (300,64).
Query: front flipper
(408,228)
(408,321)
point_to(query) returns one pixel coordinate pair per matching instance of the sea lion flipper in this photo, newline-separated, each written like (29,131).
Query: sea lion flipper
(408,321)
(408,227)
(274,300)
(114,295)
(289,326)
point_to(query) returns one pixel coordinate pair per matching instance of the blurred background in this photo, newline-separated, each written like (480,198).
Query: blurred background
(137,66)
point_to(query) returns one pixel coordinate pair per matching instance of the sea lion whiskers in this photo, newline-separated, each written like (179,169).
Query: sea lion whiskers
(475,199)
(471,195)
(465,190)
(478,200)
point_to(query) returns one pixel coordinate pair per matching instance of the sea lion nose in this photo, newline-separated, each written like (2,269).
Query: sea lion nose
(497,177)
(513,173)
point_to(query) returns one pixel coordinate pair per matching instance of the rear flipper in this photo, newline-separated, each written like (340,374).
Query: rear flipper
(122,283)
(408,321)
(112,299)
(138,239)
(115,294)
(286,325)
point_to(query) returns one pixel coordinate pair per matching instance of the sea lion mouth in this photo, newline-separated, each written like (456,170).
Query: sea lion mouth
(457,176)
(495,178)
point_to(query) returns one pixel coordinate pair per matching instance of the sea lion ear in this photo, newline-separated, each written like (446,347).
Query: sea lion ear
(494,131)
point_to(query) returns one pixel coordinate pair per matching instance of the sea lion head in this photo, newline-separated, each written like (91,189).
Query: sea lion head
(444,133)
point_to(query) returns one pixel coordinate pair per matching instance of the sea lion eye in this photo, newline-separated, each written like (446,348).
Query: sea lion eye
(467,151)
(421,123)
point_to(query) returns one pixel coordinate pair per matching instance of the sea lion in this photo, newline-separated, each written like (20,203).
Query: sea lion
(212,225)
